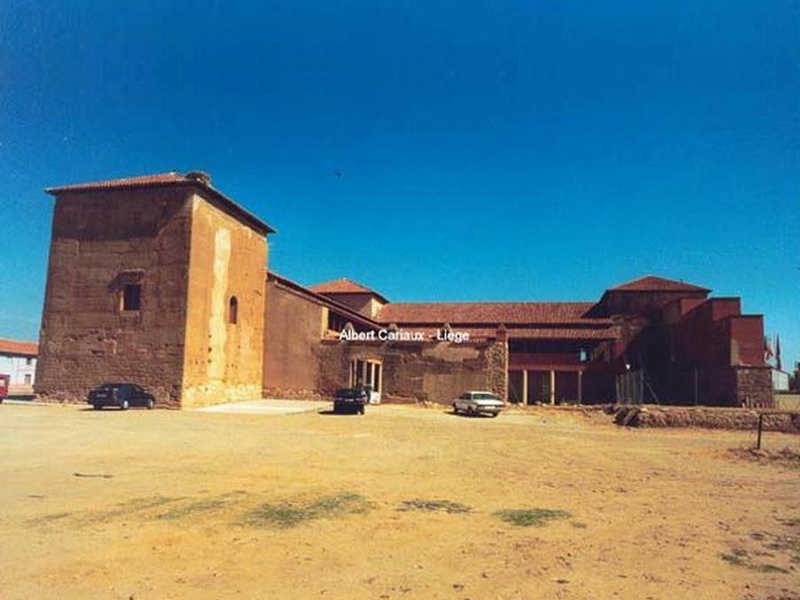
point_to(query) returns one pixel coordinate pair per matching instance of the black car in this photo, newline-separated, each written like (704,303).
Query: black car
(121,395)
(350,400)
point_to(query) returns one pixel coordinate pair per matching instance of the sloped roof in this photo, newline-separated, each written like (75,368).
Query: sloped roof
(526,333)
(170,179)
(18,348)
(344,286)
(345,311)
(508,313)
(651,283)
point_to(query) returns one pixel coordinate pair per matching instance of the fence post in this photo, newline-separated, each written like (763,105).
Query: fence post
(760,426)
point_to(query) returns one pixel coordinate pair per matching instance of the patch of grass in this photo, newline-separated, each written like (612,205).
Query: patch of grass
(531,516)
(447,506)
(291,514)
(741,558)
(768,569)
(195,507)
(137,505)
(45,519)
(738,557)
(579,525)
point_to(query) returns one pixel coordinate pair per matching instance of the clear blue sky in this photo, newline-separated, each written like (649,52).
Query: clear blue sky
(472,150)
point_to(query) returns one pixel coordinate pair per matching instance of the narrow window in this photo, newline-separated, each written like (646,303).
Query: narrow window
(233,311)
(131,296)
(27,378)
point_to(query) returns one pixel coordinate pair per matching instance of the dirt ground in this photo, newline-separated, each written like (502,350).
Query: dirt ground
(402,503)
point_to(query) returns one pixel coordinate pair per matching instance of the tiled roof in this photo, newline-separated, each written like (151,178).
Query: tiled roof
(344,286)
(18,348)
(156,180)
(534,333)
(345,311)
(494,313)
(651,283)
(173,178)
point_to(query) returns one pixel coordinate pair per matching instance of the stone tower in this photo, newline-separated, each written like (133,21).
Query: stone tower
(157,280)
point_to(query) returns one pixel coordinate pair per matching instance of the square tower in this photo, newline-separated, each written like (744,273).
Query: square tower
(157,280)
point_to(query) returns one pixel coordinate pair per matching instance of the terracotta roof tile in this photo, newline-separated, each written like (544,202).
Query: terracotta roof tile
(18,348)
(343,286)
(535,333)
(651,283)
(494,313)
(156,180)
(173,178)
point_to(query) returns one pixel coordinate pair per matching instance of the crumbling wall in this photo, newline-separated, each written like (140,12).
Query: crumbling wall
(753,387)
(705,417)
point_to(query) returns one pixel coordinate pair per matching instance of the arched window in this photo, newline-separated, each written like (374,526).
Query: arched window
(233,311)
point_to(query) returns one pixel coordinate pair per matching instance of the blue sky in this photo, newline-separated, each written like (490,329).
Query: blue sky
(479,150)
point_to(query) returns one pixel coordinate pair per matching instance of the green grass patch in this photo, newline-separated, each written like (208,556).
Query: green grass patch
(447,506)
(291,514)
(180,512)
(531,516)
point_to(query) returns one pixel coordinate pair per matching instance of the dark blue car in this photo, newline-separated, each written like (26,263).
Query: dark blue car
(121,395)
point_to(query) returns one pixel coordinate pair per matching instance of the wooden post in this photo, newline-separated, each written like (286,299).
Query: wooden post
(760,427)
(552,387)
(525,386)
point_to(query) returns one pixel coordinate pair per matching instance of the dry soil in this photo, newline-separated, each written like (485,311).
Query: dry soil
(402,503)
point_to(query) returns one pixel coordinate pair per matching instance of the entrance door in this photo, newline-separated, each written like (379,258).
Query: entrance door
(368,373)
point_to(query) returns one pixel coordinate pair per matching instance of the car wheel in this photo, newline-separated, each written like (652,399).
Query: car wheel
(361,410)
(470,411)
(124,405)
(150,404)
(96,406)
(455,409)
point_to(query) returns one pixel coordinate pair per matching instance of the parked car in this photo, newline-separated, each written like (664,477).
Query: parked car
(350,400)
(478,403)
(121,395)
(4,383)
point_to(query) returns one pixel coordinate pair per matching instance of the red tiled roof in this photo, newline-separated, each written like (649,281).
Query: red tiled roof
(495,313)
(534,333)
(345,311)
(18,348)
(156,180)
(344,286)
(173,178)
(651,283)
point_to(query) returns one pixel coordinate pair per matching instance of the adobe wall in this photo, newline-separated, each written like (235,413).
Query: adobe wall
(86,339)
(223,360)
(292,333)
(753,387)
(421,372)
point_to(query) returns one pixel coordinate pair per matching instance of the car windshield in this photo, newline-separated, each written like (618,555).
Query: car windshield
(348,393)
(486,397)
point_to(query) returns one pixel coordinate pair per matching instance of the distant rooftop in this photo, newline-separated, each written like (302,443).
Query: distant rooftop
(18,348)
(651,283)
(507,313)
(344,286)
(171,179)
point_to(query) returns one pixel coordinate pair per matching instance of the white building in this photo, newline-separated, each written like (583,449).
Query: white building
(18,360)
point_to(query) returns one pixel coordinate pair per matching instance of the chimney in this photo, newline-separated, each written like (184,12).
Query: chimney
(199,176)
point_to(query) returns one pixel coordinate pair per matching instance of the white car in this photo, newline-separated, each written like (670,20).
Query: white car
(477,403)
